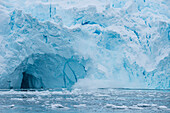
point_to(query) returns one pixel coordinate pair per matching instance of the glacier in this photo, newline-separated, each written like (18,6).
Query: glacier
(85,44)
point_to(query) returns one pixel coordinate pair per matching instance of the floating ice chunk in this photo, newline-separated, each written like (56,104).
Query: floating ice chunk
(31,99)
(12,106)
(16,99)
(153,105)
(115,107)
(53,106)
(109,105)
(144,105)
(162,107)
(119,107)
(80,105)
(135,107)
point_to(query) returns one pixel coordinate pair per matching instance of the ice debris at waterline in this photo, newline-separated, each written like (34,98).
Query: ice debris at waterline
(84,44)
(85,101)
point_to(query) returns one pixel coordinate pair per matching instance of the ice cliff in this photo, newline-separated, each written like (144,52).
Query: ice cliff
(84,44)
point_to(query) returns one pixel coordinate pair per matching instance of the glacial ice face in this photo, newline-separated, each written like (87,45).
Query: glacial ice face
(40,51)
(46,71)
(115,43)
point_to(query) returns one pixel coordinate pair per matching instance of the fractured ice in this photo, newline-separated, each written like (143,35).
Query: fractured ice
(105,43)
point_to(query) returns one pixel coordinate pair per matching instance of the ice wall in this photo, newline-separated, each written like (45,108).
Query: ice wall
(41,50)
(46,71)
(119,43)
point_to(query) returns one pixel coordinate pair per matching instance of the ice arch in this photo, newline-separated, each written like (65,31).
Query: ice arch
(46,71)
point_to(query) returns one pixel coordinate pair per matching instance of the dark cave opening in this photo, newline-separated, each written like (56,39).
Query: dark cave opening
(30,82)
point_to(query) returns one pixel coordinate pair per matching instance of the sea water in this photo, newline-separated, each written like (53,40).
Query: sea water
(100,100)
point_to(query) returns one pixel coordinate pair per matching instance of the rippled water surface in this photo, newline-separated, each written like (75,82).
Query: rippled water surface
(85,101)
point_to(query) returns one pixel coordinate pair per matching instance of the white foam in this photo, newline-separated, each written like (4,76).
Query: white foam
(115,106)
(80,105)
(31,99)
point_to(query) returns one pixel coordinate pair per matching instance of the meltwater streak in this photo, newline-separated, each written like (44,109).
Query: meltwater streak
(119,43)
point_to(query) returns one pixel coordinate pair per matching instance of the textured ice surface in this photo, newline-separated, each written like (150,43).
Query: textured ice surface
(46,71)
(109,43)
